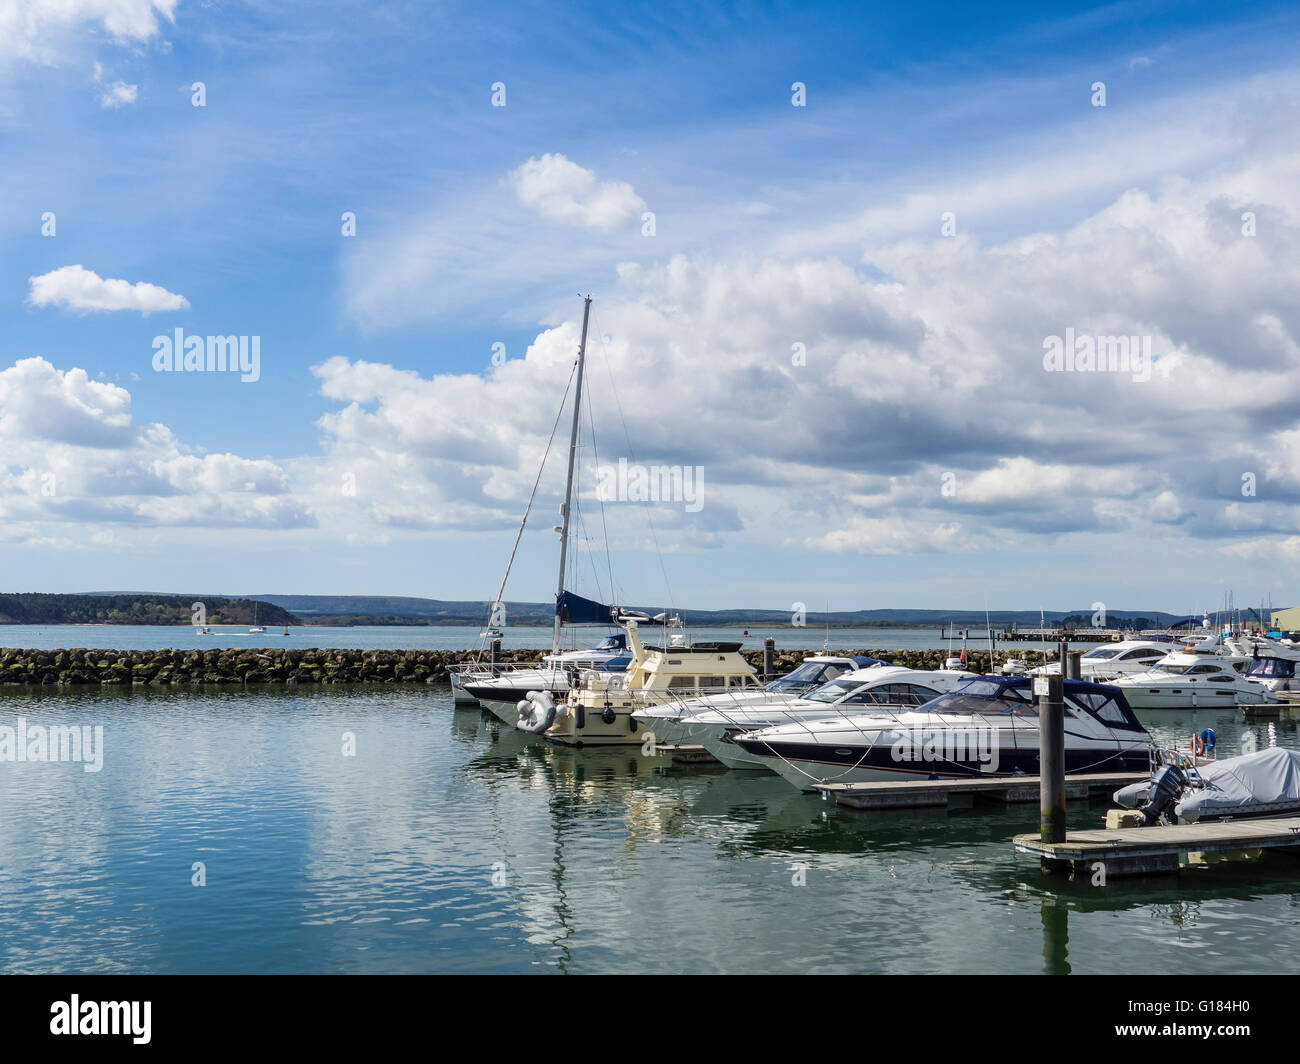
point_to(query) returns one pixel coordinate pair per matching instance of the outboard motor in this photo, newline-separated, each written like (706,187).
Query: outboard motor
(1165,789)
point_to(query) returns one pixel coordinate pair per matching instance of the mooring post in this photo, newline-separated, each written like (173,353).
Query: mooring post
(1075,672)
(769,651)
(496,655)
(1051,752)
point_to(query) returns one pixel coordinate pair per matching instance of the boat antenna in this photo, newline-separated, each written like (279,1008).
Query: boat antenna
(568,484)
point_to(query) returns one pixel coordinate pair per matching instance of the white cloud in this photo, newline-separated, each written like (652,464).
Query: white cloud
(567,192)
(925,363)
(79,289)
(40,30)
(118,95)
(73,456)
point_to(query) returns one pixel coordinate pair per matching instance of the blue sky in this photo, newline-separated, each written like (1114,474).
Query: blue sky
(774,225)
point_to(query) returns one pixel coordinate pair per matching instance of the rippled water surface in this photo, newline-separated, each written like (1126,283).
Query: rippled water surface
(449,637)
(447,844)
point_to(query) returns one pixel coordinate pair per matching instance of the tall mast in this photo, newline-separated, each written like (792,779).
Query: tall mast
(568,484)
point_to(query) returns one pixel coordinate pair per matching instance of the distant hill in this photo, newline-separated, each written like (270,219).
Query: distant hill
(364,609)
(402,610)
(136,608)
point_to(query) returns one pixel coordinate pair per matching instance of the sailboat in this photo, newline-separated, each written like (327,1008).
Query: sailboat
(499,689)
(257,628)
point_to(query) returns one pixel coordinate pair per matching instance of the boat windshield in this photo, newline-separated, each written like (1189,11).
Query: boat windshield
(834,691)
(1271,668)
(982,696)
(1101,653)
(808,675)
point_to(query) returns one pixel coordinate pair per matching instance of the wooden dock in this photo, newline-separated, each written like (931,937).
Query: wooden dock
(1272,710)
(1161,849)
(963,793)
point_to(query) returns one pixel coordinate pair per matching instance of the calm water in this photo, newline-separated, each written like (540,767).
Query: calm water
(153,637)
(603,861)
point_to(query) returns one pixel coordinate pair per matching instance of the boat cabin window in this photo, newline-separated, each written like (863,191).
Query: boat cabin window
(1104,708)
(713,681)
(1101,654)
(1101,707)
(676,683)
(1143,655)
(902,694)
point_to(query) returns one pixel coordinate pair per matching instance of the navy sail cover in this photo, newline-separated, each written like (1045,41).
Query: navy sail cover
(574,609)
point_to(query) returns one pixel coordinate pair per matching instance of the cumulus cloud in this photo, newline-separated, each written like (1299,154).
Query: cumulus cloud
(119,94)
(39,30)
(78,289)
(844,397)
(567,192)
(73,456)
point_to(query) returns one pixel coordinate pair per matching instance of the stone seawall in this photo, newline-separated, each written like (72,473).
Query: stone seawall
(169,668)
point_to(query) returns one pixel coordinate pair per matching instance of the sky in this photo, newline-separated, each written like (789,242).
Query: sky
(836,254)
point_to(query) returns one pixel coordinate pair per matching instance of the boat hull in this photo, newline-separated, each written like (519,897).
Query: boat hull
(501,698)
(1183,698)
(808,765)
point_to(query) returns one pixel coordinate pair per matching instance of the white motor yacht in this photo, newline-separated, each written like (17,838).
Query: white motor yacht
(988,726)
(891,686)
(1191,679)
(1102,663)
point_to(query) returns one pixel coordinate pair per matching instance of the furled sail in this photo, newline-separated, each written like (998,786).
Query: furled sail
(574,609)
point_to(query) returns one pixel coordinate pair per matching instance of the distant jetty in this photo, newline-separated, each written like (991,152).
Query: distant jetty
(173,668)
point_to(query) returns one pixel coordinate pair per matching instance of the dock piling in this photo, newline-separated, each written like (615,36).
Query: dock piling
(1051,753)
(1074,659)
(769,653)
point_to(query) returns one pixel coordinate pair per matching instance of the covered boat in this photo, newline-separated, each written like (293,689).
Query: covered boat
(1265,783)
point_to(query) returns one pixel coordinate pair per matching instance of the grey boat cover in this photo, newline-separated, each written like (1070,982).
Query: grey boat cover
(1235,784)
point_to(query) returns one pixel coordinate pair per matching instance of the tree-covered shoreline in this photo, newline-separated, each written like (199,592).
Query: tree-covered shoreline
(40,608)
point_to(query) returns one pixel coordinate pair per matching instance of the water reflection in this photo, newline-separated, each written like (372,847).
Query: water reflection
(451,843)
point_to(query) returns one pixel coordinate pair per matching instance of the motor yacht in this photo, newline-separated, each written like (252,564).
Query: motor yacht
(890,686)
(1192,679)
(988,726)
(1109,660)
